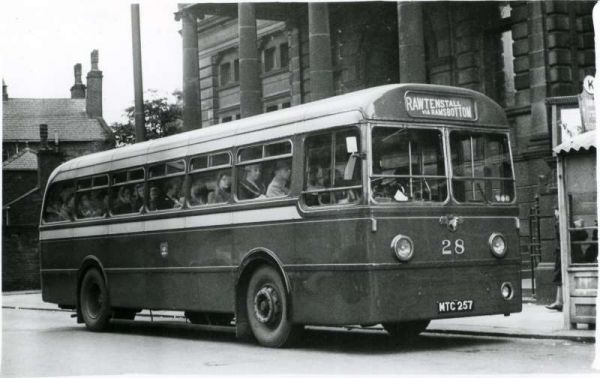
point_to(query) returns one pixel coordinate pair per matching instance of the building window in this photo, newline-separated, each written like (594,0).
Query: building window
(284,55)
(274,106)
(229,117)
(269,59)
(225,73)
(236,70)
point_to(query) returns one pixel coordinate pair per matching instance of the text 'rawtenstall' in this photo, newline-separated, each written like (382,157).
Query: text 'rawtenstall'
(435,106)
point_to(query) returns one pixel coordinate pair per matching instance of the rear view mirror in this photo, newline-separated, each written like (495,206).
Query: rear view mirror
(351,145)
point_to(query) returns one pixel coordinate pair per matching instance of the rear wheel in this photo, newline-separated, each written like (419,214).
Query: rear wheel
(267,303)
(406,330)
(93,299)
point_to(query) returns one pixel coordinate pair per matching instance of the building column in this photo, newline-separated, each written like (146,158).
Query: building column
(295,63)
(192,116)
(411,45)
(250,86)
(538,64)
(319,44)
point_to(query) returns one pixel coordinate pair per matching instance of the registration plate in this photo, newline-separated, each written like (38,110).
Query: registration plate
(455,306)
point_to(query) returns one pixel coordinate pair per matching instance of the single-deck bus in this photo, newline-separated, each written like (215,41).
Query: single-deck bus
(392,205)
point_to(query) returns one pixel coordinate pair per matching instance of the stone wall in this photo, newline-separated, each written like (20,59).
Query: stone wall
(20,258)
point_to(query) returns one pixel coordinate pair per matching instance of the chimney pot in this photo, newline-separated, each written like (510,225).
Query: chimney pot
(4,91)
(78,89)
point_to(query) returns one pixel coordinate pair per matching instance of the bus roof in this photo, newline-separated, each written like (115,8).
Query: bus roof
(395,102)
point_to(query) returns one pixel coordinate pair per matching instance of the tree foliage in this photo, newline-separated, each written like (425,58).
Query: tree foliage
(161,119)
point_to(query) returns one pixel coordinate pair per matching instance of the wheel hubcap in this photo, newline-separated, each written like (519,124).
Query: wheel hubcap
(94,301)
(267,306)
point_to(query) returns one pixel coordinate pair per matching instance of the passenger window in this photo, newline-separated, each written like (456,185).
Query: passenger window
(127,195)
(209,184)
(267,173)
(408,165)
(92,202)
(165,187)
(60,202)
(326,162)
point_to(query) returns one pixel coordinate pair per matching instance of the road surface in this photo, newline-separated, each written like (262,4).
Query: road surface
(49,343)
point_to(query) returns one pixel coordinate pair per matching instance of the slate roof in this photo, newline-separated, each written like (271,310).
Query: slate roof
(22,116)
(25,160)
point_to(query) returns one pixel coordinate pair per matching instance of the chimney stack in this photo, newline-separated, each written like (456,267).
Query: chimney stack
(94,89)
(43,136)
(48,158)
(78,89)
(4,91)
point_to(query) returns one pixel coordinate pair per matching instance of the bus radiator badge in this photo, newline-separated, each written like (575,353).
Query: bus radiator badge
(451,222)
(164,249)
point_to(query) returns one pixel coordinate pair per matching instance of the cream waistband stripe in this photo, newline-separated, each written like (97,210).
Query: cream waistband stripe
(179,223)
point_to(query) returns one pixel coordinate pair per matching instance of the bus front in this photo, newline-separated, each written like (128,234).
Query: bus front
(443,207)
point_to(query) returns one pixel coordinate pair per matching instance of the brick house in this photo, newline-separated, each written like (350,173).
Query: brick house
(243,59)
(76,127)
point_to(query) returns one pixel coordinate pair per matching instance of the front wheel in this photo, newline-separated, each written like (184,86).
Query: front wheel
(93,299)
(406,330)
(267,306)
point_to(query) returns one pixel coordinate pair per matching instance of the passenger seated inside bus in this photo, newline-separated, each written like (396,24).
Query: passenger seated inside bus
(222,192)
(317,180)
(67,209)
(123,202)
(138,197)
(86,208)
(173,193)
(167,197)
(281,177)
(250,186)
(198,192)
(52,213)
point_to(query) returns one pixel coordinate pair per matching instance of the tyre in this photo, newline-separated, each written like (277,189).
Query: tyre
(406,330)
(94,302)
(267,306)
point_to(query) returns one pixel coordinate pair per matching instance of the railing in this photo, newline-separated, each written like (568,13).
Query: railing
(534,246)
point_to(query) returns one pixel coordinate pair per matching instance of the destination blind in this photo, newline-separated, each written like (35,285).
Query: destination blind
(426,105)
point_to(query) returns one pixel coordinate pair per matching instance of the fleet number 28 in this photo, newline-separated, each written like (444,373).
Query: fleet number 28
(457,247)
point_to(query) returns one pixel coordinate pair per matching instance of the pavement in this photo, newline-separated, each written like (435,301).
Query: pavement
(535,321)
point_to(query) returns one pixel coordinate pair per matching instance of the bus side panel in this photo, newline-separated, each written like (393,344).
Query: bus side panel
(327,288)
(187,269)
(58,273)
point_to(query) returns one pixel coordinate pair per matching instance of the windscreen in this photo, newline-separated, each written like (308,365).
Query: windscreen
(481,167)
(408,165)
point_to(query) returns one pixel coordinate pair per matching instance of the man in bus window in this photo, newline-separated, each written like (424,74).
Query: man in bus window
(278,186)
(250,187)
(173,198)
(156,199)
(122,204)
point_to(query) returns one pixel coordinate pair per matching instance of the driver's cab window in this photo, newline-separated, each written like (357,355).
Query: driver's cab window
(332,168)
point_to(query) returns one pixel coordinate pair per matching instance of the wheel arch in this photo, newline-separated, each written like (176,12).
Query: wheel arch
(250,262)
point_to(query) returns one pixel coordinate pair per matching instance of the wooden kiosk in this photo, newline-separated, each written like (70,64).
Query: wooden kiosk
(575,147)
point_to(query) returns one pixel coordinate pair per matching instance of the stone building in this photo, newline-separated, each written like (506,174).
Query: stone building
(243,59)
(38,134)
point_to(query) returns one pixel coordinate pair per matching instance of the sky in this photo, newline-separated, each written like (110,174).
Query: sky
(41,41)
